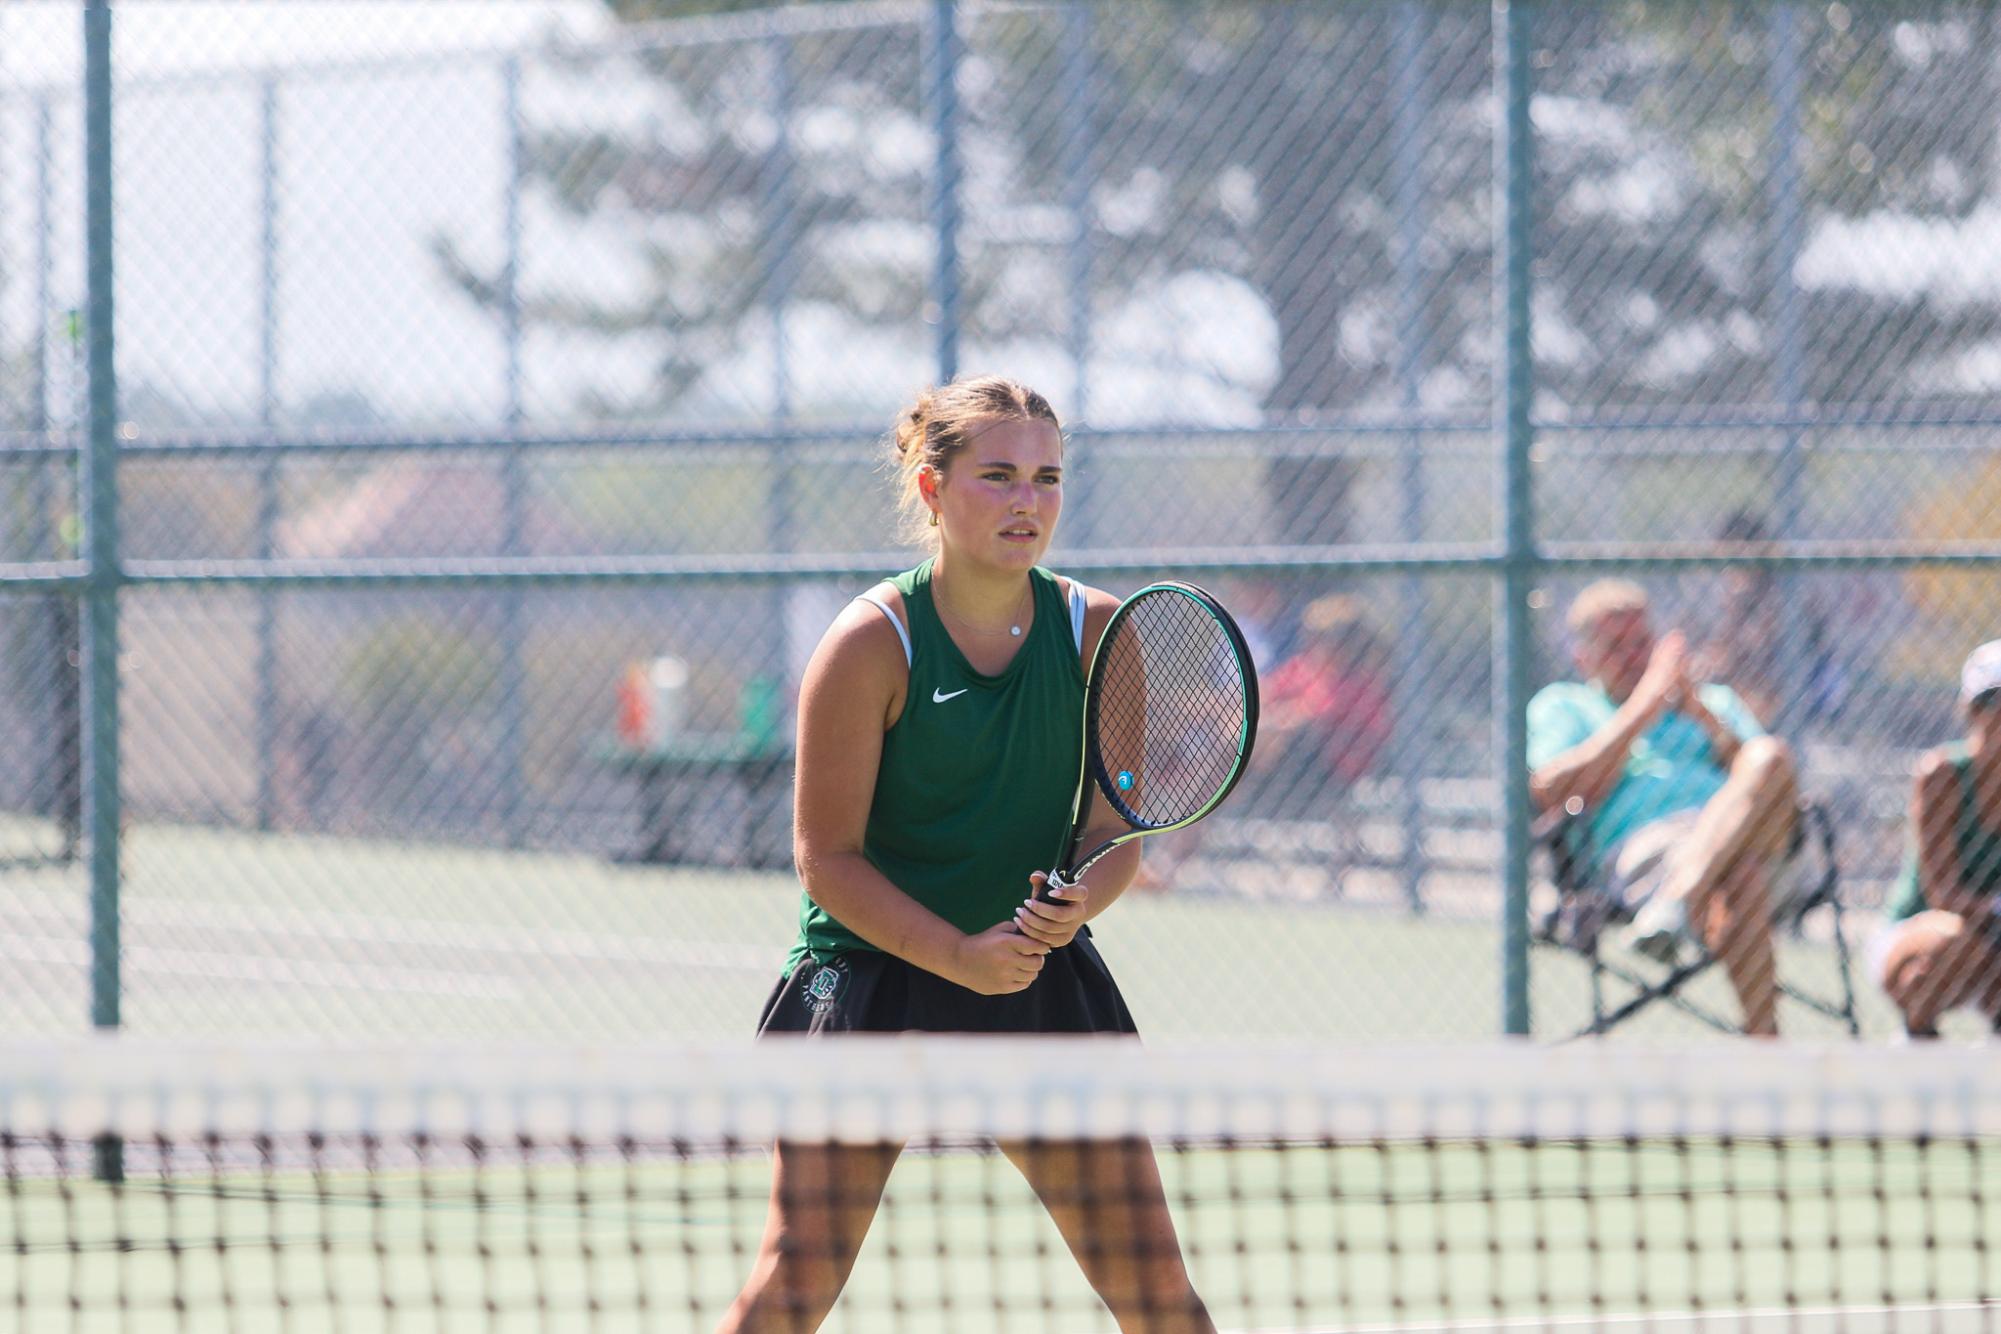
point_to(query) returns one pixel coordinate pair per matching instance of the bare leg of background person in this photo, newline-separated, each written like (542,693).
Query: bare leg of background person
(1751,818)
(1738,929)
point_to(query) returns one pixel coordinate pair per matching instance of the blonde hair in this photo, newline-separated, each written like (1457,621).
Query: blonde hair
(1601,599)
(1344,621)
(1335,614)
(938,425)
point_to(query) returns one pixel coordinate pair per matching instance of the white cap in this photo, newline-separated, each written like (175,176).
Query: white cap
(1982,672)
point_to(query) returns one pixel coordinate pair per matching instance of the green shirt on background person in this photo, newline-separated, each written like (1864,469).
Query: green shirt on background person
(1979,849)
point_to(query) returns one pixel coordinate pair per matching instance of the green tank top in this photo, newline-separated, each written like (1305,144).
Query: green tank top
(977,776)
(1979,847)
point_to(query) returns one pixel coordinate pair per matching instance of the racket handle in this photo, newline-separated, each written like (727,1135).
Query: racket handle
(1053,881)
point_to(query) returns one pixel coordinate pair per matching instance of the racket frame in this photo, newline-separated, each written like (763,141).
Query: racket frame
(1091,767)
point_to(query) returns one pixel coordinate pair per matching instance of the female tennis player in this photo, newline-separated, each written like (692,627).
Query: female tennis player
(940,724)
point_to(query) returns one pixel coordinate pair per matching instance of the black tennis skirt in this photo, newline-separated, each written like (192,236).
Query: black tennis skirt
(867,991)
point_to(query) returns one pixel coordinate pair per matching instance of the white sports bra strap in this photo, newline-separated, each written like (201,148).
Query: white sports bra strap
(901,633)
(1077,610)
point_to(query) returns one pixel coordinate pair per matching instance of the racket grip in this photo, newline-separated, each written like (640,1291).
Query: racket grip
(1053,881)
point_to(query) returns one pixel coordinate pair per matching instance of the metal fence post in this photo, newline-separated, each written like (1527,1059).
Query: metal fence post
(267,472)
(783,226)
(47,539)
(100,476)
(1411,744)
(53,514)
(1514,386)
(1079,87)
(945,53)
(1795,666)
(514,534)
(44,278)
(785,229)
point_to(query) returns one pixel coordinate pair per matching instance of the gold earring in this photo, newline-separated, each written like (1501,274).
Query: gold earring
(934,518)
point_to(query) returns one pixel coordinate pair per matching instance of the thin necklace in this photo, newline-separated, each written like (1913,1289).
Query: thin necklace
(1014,629)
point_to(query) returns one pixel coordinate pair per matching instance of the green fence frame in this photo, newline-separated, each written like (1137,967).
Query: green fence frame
(1515,563)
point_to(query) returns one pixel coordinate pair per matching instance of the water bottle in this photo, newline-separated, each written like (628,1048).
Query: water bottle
(759,713)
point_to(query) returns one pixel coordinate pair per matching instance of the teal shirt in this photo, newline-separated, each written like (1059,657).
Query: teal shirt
(978,775)
(1978,848)
(1670,768)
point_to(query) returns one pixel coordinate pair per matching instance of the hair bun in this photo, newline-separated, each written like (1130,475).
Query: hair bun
(910,426)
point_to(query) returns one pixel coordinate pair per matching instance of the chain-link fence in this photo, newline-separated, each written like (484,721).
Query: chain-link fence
(484,411)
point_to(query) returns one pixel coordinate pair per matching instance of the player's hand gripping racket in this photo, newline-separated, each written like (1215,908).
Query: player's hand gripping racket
(1170,712)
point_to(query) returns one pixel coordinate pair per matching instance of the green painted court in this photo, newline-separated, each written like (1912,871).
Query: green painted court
(240,936)
(1278,1239)
(228,933)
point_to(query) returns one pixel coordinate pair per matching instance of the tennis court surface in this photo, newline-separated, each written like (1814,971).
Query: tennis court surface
(1469,1187)
(237,933)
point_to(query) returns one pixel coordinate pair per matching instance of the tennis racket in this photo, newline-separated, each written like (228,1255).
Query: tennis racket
(1170,712)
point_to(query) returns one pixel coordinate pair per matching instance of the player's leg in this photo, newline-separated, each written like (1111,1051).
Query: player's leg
(1107,1200)
(823,1197)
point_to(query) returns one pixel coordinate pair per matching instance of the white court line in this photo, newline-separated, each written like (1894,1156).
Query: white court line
(1972,1315)
(364,928)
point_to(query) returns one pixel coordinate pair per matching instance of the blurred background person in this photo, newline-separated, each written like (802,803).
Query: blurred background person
(1746,643)
(1689,807)
(1326,708)
(1743,645)
(1938,949)
(1324,721)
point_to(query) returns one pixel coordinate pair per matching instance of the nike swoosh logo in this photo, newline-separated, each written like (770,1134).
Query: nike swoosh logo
(939,697)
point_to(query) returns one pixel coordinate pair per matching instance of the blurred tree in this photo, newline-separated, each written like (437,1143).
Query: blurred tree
(1335,159)
(1659,199)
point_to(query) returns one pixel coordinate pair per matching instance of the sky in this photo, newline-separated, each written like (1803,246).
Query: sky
(42,40)
(398,141)
(374,164)
(391,135)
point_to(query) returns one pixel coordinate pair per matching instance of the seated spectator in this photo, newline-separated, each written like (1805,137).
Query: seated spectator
(1691,808)
(1939,949)
(1324,715)
(1323,722)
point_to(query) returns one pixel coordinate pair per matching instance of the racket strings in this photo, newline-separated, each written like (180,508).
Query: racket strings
(1173,709)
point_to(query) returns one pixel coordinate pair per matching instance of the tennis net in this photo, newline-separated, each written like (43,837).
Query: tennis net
(1736,1187)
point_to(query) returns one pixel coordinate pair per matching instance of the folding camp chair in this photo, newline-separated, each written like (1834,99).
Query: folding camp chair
(1585,914)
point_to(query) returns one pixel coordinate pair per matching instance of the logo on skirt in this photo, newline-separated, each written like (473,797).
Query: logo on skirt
(823,989)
